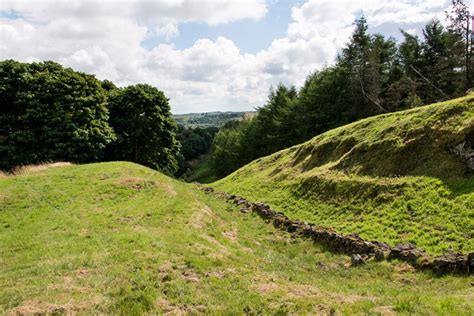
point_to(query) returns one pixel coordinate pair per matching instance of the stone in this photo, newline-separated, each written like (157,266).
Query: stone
(451,262)
(357,260)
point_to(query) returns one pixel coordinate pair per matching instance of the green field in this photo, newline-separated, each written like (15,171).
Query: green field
(123,239)
(391,177)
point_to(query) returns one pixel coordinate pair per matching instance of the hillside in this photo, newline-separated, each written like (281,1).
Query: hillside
(207,119)
(120,238)
(398,177)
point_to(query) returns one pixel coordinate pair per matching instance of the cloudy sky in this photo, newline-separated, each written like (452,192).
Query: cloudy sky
(206,55)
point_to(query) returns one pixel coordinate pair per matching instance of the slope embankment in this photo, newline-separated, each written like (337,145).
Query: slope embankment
(404,177)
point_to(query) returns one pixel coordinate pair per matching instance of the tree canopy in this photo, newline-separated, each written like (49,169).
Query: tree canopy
(372,75)
(52,113)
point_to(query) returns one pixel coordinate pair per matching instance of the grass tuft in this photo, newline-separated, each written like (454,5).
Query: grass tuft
(27,169)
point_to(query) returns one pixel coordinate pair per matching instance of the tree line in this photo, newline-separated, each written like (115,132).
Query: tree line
(52,113)
(372,75)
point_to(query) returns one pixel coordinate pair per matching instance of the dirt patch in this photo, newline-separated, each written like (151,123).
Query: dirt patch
(220,273)
(404,267)
(202,217)
(230,235)
(221,249)
(69,282)
(136,183)
(268,284)
(190,276)
(383,310)
(267,287)
(170,309)
(33,307)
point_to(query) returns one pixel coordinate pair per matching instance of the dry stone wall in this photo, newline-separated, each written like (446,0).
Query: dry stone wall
(359,249)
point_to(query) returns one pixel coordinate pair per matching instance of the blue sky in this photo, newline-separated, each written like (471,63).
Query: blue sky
(249,35)
(206,55)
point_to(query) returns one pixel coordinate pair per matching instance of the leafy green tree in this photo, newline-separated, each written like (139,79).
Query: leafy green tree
(50,113)
(194,143)
(146,132)
(273,129)
(228,152)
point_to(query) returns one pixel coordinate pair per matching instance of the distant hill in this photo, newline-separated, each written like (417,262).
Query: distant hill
(400,177)
(208,119)
(118,238)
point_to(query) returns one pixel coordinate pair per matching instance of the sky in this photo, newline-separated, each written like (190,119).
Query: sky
(206,55)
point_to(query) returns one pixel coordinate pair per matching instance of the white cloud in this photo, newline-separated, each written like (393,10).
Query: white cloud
(105,37)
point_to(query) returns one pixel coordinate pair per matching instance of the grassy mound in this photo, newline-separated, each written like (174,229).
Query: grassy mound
(392,177)
(120,238)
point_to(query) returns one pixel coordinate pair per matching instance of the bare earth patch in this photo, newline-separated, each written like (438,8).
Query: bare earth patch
(170,309)
(268,284)
(202,217)
(136,183)
(69,282)
(33,307)
(383,310)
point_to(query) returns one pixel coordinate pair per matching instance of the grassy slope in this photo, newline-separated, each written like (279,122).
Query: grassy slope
(389,177)
(121,238)
(202,171)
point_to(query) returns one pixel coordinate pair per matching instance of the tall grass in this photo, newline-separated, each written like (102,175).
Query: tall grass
(26,169)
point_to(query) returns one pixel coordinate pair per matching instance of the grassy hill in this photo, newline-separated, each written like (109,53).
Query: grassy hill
(393,178)
(120,238)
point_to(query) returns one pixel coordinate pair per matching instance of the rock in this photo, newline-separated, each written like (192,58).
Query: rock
(465,150)
(357,259)
(408,253)
(470,163)
(208,189)
(451,262)
(244,210)
(405,247)
(379,255)
(292,227)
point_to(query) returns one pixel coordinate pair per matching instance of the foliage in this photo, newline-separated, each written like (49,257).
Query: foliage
(373,75)
(141,118)
(194,143)
(118,238)
(209,119)
(50,113)
(391,177)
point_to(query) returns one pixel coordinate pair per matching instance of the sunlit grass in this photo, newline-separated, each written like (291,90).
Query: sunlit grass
(390,178)
(118,238)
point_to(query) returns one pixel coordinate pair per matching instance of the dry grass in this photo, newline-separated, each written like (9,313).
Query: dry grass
(26,169)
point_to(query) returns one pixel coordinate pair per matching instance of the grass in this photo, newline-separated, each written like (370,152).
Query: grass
(202,170)
(118,238)
(390,178)
(20,170)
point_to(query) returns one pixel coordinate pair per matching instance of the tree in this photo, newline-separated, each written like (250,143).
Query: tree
(458,18)
(194,143)
(50,113)
(440,74)
(146,133)
(228,148)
